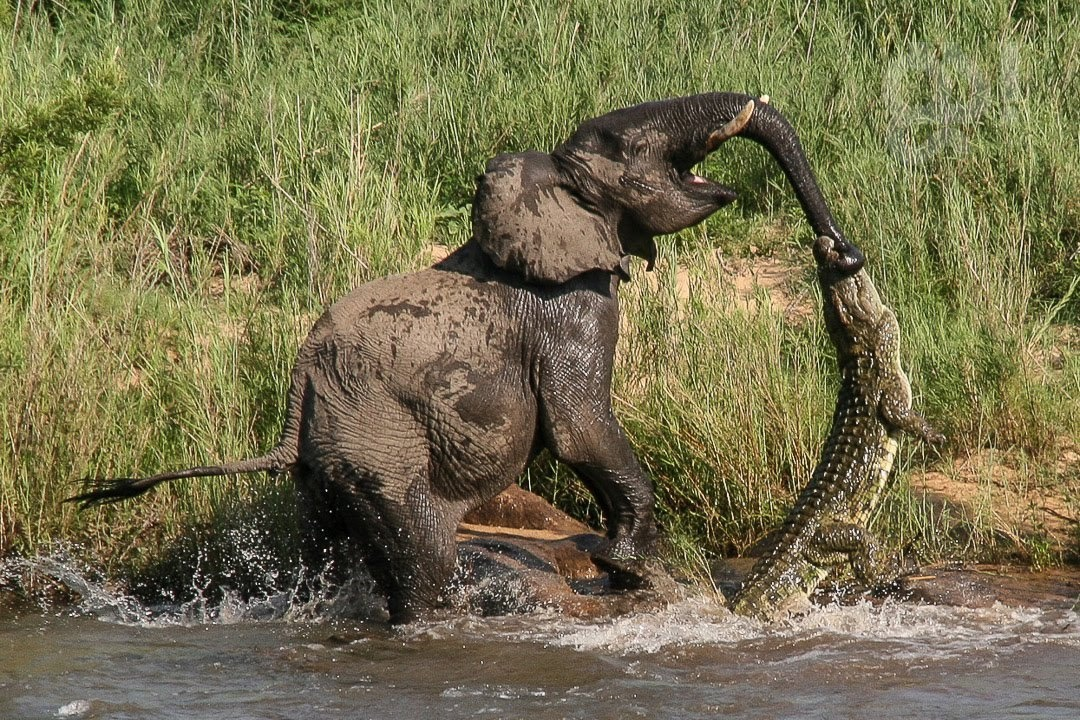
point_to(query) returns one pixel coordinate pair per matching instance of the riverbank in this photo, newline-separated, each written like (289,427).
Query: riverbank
(518,554)
(184,188)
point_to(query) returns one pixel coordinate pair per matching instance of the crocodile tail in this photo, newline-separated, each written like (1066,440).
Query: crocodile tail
(101,491)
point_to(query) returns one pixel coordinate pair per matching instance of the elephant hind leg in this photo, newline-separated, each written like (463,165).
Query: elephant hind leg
(409,547)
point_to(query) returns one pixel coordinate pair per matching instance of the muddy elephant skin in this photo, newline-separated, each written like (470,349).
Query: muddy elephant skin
(417,397)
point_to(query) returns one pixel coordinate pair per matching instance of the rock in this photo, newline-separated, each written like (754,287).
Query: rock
(518,553)
(970,586)
(979,586)
(520,509)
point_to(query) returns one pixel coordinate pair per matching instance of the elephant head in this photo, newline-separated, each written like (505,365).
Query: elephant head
(624,178)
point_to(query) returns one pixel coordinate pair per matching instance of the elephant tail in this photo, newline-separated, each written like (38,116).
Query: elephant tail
(100,491)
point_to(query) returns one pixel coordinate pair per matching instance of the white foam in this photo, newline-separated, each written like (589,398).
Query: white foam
(909,629)
(76,708)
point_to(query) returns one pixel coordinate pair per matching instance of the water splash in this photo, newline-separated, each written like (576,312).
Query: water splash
(908,628)
(904,630)
(901,630)
(76,708)
(695,621)
(98,597)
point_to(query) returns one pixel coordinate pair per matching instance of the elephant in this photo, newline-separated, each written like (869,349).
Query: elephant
(417,397)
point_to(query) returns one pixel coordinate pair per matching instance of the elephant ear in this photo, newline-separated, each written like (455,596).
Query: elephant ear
(528,222)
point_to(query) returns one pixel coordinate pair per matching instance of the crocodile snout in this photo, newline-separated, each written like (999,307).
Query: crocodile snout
(838,255)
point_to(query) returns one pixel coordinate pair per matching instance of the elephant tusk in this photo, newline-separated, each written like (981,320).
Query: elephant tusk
(732,128)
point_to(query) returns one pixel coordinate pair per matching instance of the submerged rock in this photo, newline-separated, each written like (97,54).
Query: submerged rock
(955,585)
(977,586)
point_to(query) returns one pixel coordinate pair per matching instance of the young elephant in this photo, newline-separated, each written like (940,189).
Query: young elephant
(417,397)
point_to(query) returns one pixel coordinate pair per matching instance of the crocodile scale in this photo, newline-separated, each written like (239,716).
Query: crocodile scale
(829,523)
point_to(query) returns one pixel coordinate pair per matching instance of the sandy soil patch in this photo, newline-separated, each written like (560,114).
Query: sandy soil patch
(999,489)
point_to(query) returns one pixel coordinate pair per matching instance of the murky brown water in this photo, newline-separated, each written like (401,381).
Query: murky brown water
(111,658)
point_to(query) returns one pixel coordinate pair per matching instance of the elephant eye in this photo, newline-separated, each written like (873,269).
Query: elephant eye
(609,144)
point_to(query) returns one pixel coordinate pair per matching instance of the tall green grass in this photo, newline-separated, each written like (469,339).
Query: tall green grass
(184,186)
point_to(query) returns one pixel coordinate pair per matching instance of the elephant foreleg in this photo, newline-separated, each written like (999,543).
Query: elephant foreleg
(616,480)
(625,495)
(580,429)
(599,453)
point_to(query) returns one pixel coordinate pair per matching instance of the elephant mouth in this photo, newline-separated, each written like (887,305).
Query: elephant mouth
(709,191)
(703,185)
(690,178)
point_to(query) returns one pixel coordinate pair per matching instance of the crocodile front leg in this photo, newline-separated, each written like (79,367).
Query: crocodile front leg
(894,406)
(870,564)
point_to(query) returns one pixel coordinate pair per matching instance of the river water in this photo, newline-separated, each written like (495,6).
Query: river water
(110,657)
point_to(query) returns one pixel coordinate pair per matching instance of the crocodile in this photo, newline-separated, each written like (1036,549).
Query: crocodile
(829,524)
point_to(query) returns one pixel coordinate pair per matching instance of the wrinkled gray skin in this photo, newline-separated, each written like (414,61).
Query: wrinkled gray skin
(417,397)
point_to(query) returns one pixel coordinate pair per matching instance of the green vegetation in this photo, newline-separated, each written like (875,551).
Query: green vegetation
(185,185)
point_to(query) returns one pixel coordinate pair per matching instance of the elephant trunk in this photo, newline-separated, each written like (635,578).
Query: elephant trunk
(769,128)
